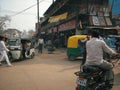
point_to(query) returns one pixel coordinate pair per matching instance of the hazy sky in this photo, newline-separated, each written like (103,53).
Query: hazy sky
(27,19)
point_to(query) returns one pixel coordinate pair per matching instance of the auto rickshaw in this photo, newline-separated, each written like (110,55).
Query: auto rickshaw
(18,50)
(115,42)
(72,46)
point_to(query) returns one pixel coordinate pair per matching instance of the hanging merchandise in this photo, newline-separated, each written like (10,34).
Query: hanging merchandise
(108,21)
(102,21)
(90,20)
(95,20)
(80,23)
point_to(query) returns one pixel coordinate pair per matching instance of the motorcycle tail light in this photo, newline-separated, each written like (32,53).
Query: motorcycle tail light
(78,86)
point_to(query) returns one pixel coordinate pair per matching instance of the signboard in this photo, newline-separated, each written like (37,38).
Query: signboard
(67,25)
(58,18)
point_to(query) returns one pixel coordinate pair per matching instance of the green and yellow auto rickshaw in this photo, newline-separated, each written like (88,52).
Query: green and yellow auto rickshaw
(73,50)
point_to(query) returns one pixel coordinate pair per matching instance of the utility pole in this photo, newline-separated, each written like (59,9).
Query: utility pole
(38,23)
(53,1)
(38,10)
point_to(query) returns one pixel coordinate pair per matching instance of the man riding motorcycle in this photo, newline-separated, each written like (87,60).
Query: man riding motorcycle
(95,48)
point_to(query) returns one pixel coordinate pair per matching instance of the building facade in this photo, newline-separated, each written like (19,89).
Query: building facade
(69,17)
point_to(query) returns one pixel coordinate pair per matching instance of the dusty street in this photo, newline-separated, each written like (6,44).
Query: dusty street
(44,72)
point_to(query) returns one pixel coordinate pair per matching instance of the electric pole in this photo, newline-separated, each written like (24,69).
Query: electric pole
(53,1)
(38,23)
(38,10)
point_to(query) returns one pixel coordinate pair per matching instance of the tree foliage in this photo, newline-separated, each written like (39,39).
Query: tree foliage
(3,22)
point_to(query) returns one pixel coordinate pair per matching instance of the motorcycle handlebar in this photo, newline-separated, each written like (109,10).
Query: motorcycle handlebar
(117,56)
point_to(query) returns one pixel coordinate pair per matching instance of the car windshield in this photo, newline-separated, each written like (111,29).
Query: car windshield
(14,42)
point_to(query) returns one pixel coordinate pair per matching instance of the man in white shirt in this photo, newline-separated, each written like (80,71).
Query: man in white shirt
(3,51)
(40,45)
(95,48)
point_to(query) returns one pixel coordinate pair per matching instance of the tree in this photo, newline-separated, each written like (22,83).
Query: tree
(3,22)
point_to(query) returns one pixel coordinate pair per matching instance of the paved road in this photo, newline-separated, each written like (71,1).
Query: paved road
(44,72)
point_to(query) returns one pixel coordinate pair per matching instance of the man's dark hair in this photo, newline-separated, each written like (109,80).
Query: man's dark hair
(1,37)
(95,34)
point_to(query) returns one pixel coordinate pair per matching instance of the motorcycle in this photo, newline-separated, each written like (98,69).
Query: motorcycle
(92,78)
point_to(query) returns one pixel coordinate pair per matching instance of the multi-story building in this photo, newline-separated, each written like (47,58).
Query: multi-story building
(70,17)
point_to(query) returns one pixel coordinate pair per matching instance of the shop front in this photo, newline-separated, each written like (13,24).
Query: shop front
(66,30)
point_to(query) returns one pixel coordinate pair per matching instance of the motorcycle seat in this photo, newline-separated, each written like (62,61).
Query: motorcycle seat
(91,69)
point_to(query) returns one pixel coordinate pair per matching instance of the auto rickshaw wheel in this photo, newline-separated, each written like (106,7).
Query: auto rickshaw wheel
(71,58)
(10,56)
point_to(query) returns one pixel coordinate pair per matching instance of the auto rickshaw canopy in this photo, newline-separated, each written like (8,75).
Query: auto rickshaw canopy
(73,40)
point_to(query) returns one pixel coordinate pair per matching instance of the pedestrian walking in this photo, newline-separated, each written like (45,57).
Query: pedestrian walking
(40,45)
(3,51)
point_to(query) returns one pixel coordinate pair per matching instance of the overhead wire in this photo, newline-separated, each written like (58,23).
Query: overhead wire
(12,12)
(26,9)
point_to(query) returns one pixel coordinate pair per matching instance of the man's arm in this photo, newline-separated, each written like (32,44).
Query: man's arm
(107,49)
(4,47)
